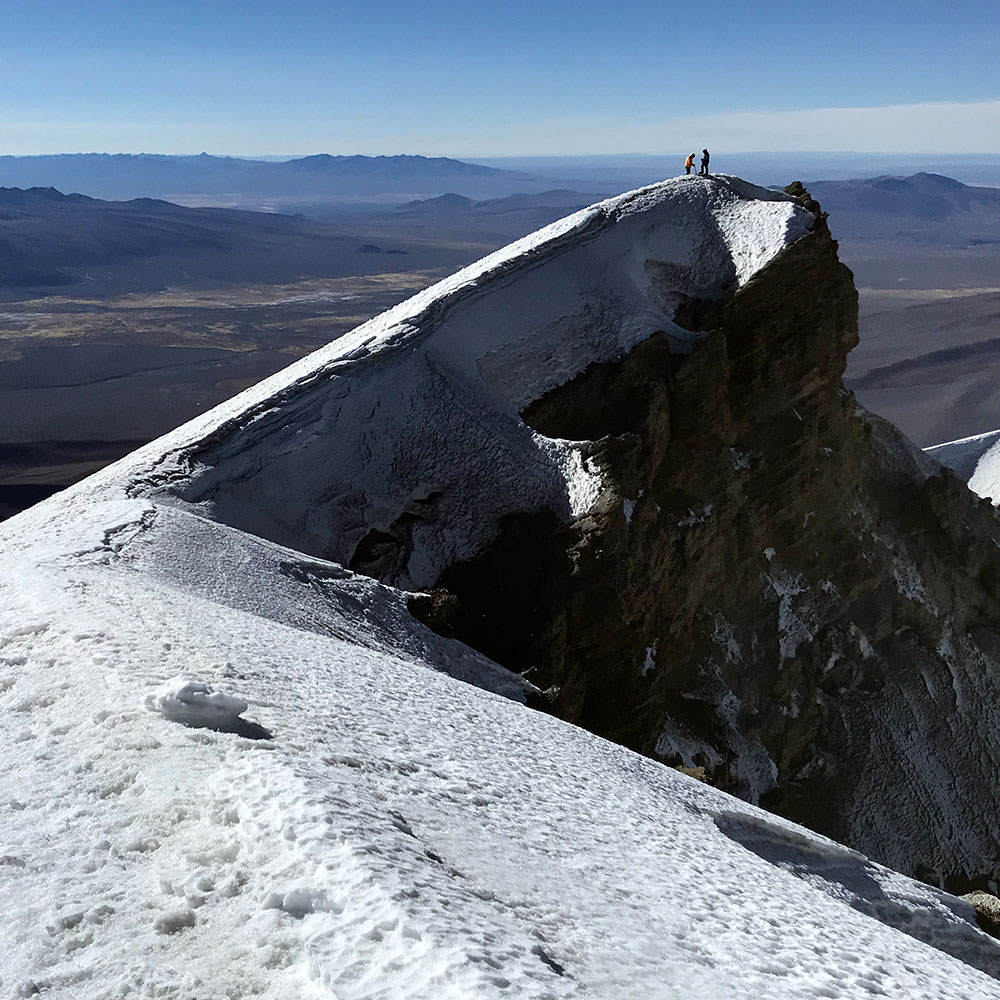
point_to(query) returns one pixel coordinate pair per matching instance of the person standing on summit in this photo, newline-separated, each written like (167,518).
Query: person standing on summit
(688,164)
(704,163)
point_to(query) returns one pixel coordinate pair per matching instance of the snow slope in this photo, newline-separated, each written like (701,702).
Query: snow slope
(411,424)
(236,770)
(975,459)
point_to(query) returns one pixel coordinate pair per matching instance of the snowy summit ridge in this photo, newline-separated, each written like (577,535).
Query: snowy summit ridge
(454,365)
(382,829)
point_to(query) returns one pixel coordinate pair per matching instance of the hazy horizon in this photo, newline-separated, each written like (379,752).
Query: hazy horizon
(596,173)
(474,157)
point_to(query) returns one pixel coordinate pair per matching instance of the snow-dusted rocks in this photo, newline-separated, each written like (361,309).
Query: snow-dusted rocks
(413,831)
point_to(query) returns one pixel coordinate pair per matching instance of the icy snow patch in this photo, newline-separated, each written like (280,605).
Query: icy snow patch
(676,742)
(795,624)
(909,582)
(650,662)
(691,518)
(724,636)
(628,506)
(583,482)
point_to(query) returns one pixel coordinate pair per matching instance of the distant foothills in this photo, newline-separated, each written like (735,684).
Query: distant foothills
(325,184)
(233,181)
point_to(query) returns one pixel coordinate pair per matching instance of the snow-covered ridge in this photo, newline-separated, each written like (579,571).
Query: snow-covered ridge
(716,234)
(410,426)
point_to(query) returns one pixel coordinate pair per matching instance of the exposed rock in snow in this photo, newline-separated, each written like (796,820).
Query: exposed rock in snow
(411,835)
(840,555)
(987,907)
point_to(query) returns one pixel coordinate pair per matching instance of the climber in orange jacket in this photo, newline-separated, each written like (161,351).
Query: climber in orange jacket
(688,164)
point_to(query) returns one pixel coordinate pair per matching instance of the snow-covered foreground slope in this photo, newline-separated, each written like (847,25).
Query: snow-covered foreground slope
(402,834)
(372,824)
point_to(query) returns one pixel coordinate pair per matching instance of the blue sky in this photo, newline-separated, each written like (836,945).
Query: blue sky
(510,78)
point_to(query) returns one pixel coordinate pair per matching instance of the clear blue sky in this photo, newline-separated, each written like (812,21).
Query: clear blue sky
(515,77)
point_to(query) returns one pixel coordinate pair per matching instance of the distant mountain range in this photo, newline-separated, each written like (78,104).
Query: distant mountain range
(51,242)
(322,177)
(923,208)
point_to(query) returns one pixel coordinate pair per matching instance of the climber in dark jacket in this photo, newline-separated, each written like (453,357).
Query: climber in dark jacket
(704,163)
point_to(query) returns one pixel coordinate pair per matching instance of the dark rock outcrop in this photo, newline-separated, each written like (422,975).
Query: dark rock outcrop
(987,907)
(775,586)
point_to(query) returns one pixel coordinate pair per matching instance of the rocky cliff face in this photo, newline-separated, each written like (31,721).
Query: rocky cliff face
(773,585)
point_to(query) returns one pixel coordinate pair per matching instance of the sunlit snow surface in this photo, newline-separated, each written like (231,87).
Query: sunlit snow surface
(403,833)
(975,459)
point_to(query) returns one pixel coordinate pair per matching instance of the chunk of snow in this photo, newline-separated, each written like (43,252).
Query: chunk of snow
(692,517)
(176,920)
(196,704)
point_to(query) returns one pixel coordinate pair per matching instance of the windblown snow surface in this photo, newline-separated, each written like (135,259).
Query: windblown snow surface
(237,770)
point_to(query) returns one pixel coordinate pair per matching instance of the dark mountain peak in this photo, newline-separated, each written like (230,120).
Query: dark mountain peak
(402,162)
(449,203)
(49,193)
(866,206)
(21,196)
(938,180)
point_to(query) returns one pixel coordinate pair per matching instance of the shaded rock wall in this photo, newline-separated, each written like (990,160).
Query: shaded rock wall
(774,585)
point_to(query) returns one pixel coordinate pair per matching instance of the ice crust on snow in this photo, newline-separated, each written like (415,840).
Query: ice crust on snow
(407,835)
